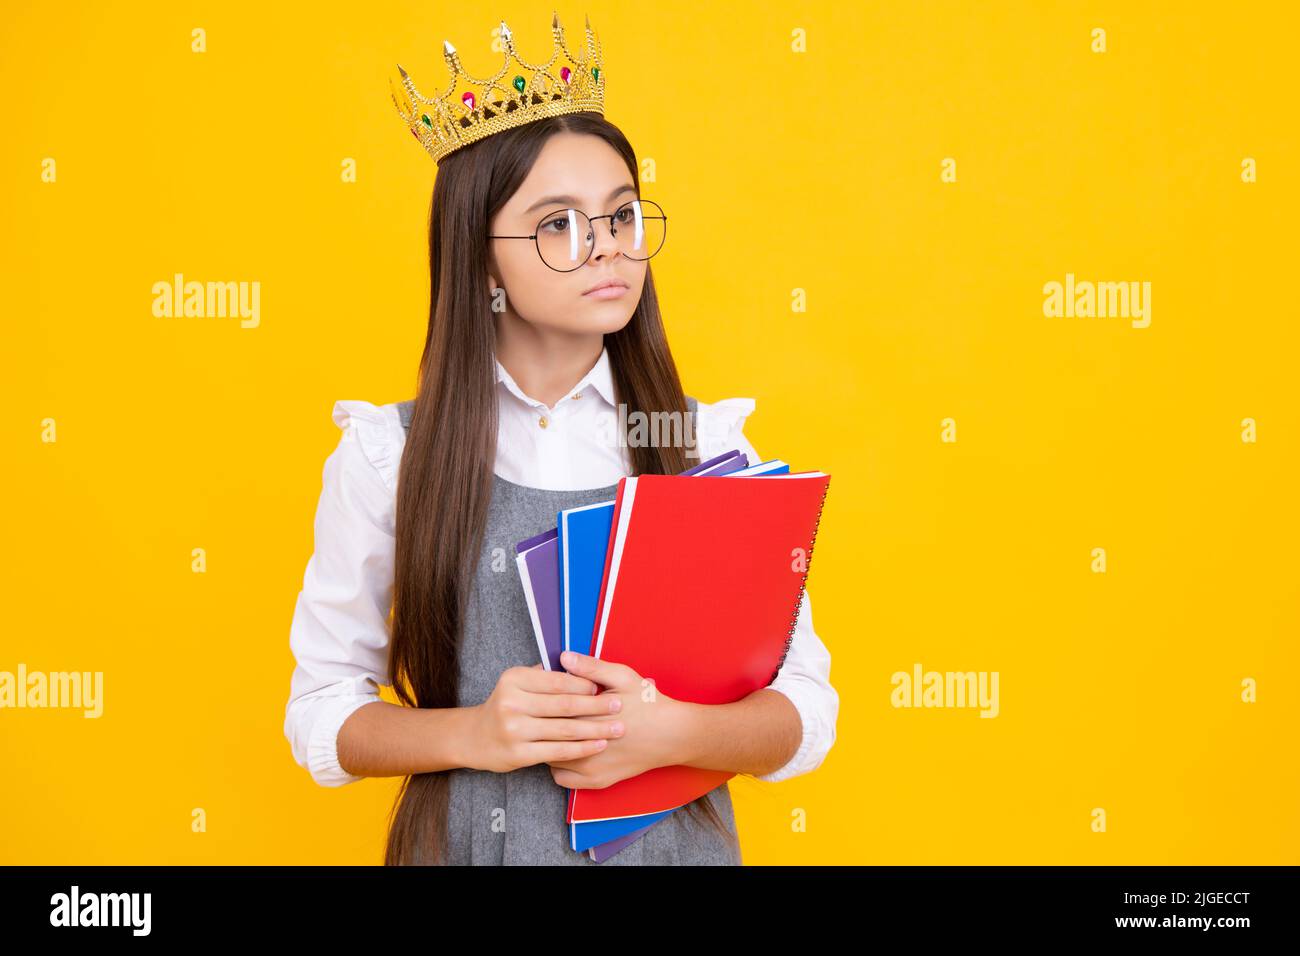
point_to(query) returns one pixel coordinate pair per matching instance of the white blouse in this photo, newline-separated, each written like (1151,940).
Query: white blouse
(339,635)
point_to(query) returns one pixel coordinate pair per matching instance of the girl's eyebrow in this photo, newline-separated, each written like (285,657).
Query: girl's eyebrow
(573,200)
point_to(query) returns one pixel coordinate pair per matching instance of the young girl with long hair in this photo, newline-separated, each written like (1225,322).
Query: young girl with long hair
(543,325)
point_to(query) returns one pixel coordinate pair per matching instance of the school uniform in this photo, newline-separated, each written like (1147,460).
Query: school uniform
(548,459)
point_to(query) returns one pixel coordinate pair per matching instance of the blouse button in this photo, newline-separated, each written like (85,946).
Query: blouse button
(577,395)
(542,421)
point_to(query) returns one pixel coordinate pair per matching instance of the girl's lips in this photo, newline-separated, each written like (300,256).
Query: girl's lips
(608,292)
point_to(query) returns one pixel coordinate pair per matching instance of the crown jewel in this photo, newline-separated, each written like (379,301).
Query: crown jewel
(473,108)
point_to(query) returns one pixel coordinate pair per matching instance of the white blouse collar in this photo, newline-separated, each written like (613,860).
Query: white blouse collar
(601,378)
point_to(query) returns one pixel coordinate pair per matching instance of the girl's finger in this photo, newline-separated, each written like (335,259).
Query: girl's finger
(538,681)
(571,705)
(546,751)
(570,728)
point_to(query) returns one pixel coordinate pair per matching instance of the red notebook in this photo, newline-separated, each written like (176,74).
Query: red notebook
(702,587)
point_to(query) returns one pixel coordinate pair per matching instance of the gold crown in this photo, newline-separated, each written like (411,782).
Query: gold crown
(454,119)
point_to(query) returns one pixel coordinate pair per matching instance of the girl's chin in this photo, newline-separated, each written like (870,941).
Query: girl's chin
(589,322)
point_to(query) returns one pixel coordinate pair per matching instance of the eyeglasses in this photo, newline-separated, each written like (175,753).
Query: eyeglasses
(565,239)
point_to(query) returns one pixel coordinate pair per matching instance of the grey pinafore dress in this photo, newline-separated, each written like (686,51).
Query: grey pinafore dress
(518,817)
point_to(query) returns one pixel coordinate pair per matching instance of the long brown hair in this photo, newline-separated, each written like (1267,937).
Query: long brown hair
(445,479)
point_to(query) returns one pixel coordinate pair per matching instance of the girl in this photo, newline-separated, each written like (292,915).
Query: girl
(543,322)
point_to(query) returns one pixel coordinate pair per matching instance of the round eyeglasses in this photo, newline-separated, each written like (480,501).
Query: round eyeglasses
(566,238)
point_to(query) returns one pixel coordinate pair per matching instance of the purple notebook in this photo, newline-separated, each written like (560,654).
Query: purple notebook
(538,561)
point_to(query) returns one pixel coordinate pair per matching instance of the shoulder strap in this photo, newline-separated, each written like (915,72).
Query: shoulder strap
(404,411)
(692,425)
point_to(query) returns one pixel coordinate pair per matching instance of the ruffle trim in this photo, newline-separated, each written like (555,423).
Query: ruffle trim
(377,429)
(717,422)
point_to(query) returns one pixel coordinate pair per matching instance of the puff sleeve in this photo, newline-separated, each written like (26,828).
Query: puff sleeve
(339,634)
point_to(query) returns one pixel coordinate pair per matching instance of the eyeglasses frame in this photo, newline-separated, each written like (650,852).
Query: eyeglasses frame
(593,220)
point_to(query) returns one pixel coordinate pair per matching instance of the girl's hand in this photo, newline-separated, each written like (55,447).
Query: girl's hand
(534,716)
(654,727)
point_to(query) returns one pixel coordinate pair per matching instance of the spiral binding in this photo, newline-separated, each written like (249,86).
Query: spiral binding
(794,619)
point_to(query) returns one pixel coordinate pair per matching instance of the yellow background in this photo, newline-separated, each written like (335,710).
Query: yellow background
(780,170)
